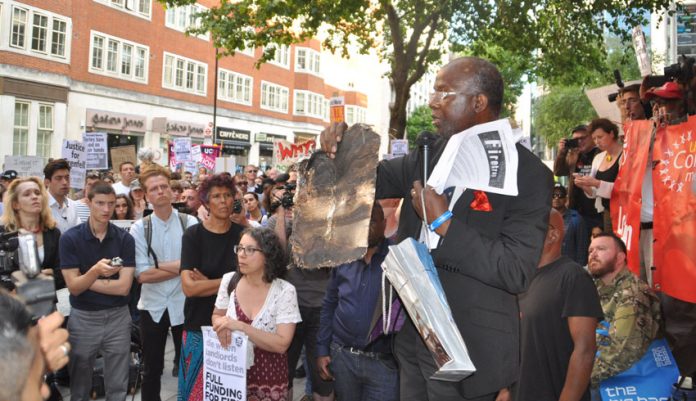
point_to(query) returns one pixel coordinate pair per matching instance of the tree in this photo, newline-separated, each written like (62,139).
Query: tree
(557,112)
(421,119)
(411,35)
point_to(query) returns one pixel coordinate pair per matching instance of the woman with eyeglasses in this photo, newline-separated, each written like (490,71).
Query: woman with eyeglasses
(254,213)
(207,253)
(26,208)
(258,302)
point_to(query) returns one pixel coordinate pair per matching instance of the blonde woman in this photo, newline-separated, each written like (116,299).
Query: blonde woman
(26,208)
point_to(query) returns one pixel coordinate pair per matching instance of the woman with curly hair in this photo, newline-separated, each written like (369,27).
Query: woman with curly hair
(26,208)
(258,302)
(207,253)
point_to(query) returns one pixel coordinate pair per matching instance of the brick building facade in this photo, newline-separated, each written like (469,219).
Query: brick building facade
(125,67)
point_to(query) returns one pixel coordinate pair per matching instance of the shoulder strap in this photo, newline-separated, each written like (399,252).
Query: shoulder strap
(147,227)
(236,277)
(183,219)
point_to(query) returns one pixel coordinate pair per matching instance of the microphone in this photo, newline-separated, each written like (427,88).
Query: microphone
(424,141)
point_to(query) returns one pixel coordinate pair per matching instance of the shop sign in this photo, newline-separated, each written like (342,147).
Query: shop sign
(223,134)
(115,121)
(177,128)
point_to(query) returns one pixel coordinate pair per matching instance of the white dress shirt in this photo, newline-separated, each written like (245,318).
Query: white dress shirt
(66,216)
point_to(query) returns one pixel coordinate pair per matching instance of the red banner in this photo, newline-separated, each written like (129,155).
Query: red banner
(674,219)
(626,199)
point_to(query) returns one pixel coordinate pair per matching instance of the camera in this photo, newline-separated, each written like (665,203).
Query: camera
(37,291)
(287,200)
(682,71)
(619,82)
(237,206)
(572,143)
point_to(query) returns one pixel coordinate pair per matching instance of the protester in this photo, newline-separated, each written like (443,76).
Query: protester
(253,208)
(192,200)
(605,167)
(123,210)
(578,160)
(146,156)
(81,204)
(99,321)
(559,314)
(57,181)
(575,240)
(484,258)
(157,257)
(259,303)
(595,232)
(28,350)
(632,107)
(27,209)
(137,196)
(5,179)
(177,191)
(202,174)
(631,310)
(127,172)
(207,253)
(250,173)
(361,369)
(310,285)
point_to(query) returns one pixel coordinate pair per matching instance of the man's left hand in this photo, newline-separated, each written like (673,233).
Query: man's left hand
(435,205)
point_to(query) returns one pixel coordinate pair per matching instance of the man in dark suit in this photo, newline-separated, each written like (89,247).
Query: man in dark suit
(485,256)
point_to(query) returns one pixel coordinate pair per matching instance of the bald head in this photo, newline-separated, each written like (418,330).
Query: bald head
(481,76)
(553,240)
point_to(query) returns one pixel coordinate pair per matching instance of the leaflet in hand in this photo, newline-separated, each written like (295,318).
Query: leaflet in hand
(482,157)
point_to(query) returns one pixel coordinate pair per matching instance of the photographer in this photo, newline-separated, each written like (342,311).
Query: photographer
(99,285)
(575,156)
(27,209)
(27,350)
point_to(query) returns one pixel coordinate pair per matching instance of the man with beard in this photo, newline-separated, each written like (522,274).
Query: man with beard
(631,309)
(361,370)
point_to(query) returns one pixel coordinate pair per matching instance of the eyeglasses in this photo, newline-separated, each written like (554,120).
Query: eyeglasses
(558,196)
(439,96)
(252,171)
(247,250)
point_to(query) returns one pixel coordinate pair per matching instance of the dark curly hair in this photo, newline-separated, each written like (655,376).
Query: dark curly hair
(217,180)
(275,260)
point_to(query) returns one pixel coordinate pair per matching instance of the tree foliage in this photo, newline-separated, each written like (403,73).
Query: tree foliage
(555,40)
(557,112)
(420,120)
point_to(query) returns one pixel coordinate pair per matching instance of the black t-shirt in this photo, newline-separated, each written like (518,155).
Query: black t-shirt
(213,255)
(608,175)
(580,202)
(559,290)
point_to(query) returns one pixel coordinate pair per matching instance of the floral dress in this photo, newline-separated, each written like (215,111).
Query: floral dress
(267,379)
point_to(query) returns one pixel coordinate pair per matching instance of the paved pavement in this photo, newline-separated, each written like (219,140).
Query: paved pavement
(169,383)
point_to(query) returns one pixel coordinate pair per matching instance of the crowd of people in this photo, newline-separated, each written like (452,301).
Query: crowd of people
(537,283)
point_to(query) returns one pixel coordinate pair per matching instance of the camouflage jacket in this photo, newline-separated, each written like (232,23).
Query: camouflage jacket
(632,321)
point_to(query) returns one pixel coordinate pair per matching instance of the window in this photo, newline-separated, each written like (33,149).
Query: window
(308,60)
(355,114)
(274,97)
(20,138)
(139,8)
(184,74)
(281,56)
(45,131)
(39,33)
(310,104)
(19,27)
(184,18)
(58,38)
(234,87)
(122,59)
